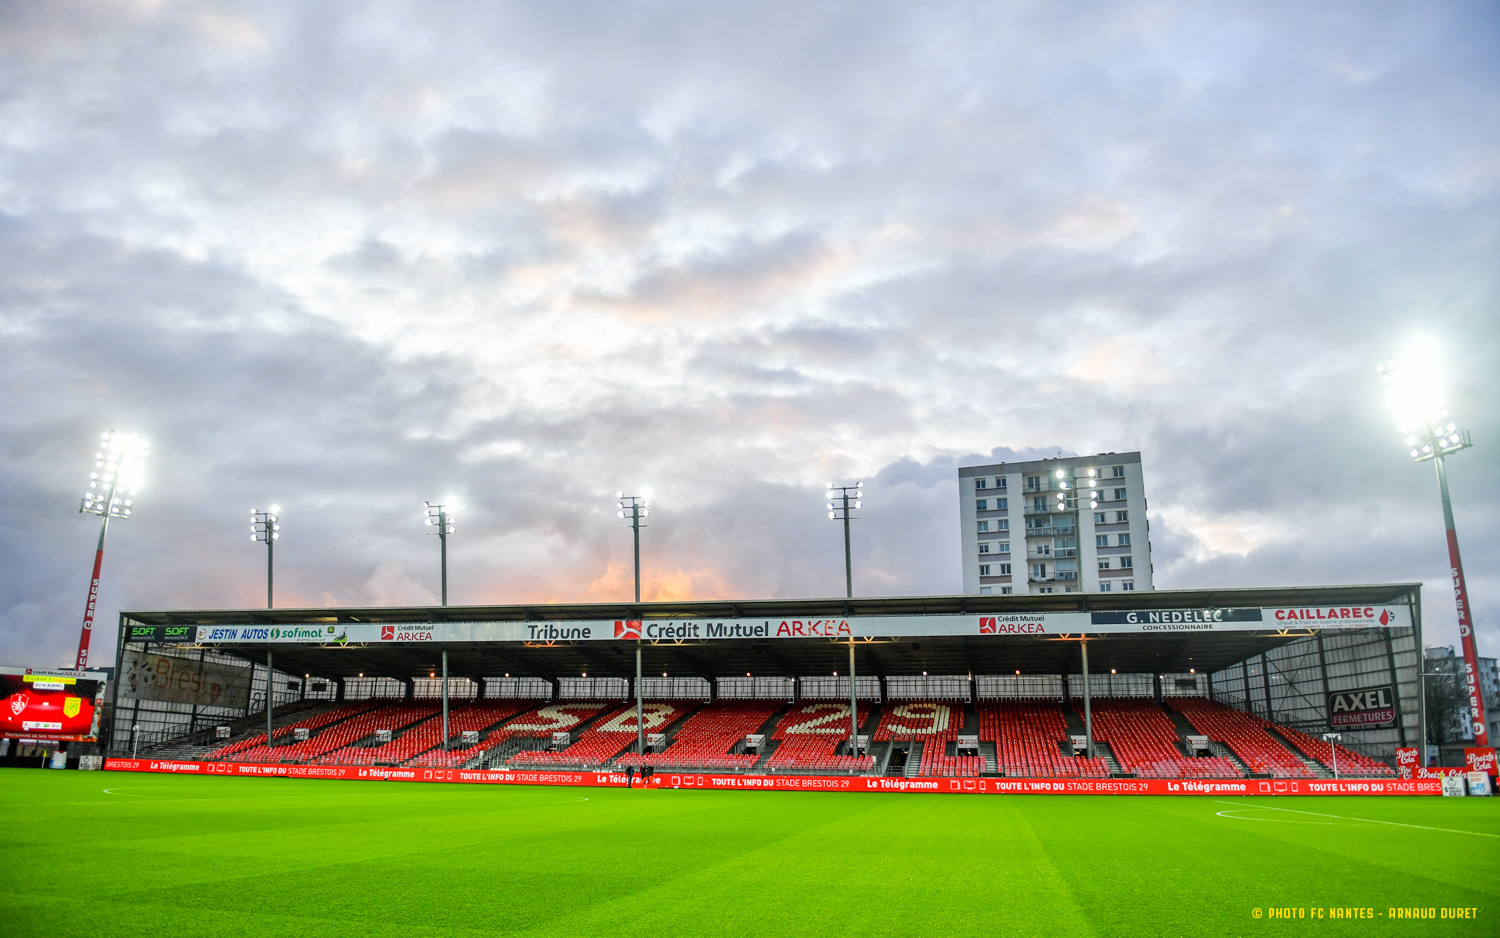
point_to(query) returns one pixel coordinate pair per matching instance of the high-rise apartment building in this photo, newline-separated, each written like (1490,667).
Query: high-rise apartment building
(1066,525)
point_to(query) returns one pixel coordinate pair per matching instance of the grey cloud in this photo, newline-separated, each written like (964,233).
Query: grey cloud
(525,255)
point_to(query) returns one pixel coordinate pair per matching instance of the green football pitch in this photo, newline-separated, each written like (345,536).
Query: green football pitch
(115,853)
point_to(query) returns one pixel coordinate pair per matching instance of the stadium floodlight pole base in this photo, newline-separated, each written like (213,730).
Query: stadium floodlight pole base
(1088,713)
(269,683)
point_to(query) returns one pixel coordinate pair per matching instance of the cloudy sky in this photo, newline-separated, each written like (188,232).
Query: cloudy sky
(348,257)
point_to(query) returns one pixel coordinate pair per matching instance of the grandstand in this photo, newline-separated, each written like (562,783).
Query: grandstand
(955,687)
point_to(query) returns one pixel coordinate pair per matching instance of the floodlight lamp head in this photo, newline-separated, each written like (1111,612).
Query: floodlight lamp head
(830,516)
(1059,473)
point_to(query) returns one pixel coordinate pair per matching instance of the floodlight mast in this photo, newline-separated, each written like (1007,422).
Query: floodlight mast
(632,508)
(839,498)
(266,526)
(1412,385)
(117,474)
(440,517)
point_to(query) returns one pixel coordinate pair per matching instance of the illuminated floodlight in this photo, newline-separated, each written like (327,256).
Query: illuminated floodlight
(119,468)
(1414,388)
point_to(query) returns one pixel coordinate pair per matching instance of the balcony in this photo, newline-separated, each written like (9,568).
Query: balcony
(1065,552)
(1050,530)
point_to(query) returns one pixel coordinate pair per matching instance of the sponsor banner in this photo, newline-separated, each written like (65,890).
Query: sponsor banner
(1365,708)
(1439,773)
(1480,759)
(677,630)
(184,680)
(1406,761)
(66,677)
(162,634)
(859,783)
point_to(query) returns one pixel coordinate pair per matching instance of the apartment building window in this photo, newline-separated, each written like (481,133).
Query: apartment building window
(981,504)
(1124,540)
(1118,472)
(1127,563)
(1045,589)
(1127,585)
(984,569)
(1038,504)
(1001,504)
(1044,550)
(984,591)
(1004,548)
(1104,586)
(1101,540)
(1039,571)
(1104,564)
(999,482)
(1002,525)
(984,525)
(1033,483)
(1098,517)
(984,548)
(1119,494)
(1004,569)
(979,483)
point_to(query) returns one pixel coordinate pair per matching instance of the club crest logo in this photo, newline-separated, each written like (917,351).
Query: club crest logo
(18,703)
(627,628)
(71,706)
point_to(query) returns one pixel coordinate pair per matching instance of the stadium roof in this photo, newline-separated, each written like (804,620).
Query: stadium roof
(1153,652)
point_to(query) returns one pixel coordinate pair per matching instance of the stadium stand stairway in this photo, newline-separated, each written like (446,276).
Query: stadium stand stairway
(766,752)
(1074,721)
(1103,751)
(914,759)
(991,759)
(1313,765)
(1184,728)
(1219,749)
(202,741)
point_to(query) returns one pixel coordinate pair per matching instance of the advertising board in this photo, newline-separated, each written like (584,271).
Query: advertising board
(729,782)
(1237,619)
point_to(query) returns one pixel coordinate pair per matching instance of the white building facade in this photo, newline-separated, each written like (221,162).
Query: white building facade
(1066,525)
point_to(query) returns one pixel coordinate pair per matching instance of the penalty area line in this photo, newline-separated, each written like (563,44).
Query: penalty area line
(1340,817)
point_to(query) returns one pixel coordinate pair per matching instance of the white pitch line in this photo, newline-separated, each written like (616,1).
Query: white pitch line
(1274,820)
(1340,817)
